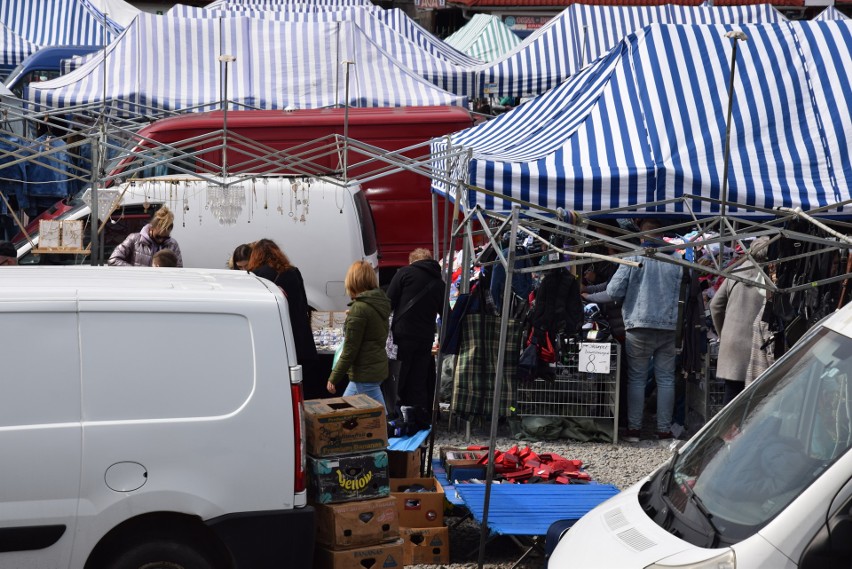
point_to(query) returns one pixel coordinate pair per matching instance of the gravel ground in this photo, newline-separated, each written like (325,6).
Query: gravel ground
(621,465)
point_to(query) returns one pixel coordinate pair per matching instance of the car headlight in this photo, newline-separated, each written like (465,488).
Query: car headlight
(726,560)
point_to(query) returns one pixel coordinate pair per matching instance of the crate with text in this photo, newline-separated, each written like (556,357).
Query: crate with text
(419,502)
(343,425)
(357,524)
(335,479)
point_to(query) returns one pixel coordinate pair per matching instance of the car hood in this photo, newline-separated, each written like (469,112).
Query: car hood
(617,534)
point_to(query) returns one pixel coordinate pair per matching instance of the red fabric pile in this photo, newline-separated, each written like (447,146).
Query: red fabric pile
(523,465)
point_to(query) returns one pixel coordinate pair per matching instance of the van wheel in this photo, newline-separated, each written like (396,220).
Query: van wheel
(163,554)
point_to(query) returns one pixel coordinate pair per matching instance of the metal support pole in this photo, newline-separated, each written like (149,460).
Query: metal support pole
(498,382)
(735,35)
(346,124)
(225,60)
(94,249)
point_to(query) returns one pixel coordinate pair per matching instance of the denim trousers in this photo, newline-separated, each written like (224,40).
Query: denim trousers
(373,390)
(642,345)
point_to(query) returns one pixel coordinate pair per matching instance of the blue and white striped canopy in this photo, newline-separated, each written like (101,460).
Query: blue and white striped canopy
(583,33)
(54,22)
(172,63)
(414,48)
(285,4)
(484,37)
(647,123)
(829,14)
(13,50)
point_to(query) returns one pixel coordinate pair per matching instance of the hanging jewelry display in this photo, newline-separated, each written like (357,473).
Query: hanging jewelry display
(265,193)
(299,199)
(146,204)
(281,199)
(226,202)
(253,200)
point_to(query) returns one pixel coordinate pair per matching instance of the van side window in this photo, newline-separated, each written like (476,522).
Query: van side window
(46,391)
(163,365)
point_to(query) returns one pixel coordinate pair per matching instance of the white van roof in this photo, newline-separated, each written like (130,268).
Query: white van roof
(129,283)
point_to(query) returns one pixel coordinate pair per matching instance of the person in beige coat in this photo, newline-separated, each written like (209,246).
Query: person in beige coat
(736,308)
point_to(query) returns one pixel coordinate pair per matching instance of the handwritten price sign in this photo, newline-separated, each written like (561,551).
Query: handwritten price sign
(594,357)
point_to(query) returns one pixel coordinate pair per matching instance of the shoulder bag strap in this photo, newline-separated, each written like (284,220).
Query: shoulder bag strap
(414,300)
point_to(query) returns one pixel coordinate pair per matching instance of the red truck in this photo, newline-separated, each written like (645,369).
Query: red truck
(401,202)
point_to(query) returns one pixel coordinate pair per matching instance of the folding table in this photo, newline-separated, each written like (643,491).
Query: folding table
(528,510)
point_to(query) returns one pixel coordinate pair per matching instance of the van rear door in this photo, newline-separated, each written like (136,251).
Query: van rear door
(40,433)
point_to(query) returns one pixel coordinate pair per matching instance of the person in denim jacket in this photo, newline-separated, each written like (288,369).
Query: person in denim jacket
(650,295)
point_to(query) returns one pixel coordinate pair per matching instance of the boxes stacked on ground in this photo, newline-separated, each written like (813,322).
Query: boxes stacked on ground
(420,507)
(357,521)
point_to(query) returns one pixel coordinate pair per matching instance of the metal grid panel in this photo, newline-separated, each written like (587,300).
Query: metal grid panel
(572,392)
(706,393)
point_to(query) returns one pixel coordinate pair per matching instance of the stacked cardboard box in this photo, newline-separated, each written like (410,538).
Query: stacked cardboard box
(420,507)
(357,524)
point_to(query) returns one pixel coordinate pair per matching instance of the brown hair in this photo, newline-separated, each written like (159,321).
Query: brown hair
(360,277)
(163,220)
(419,254)
(164,258)
(241,254)
(266,252)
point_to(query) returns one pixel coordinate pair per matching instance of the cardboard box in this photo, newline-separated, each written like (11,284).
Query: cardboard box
(381,556)
(357,524)
(426,546)
(463,464)
(344,425)
(418,509)
(347,478)
(402,464)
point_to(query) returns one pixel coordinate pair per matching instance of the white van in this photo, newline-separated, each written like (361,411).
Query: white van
(322,227)
(766,483)
(149,418)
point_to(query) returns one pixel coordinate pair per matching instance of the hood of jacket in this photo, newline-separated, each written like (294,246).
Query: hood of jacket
(377,299)
(431,266)
(146,235)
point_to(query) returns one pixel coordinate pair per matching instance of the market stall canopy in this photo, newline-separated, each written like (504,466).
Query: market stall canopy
(484,37)
(583,33)
(829,14)
(276,4)
(402,43)
(55,22)
(118,13)
(13,50)
(172,63)
(648,122)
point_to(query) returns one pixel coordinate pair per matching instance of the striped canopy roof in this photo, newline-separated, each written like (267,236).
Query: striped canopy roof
(830,13)
(442,67)
(484,37)
(13,50)
(583,33)
(55,22)
(647,123)
(171,63)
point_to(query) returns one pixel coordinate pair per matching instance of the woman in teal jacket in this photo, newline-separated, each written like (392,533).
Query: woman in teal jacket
(363,357)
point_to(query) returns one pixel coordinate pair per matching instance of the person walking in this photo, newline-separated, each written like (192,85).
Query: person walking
(736,309)
(416,294)
(365,332)
(268,261)
(650,295)
(138,249)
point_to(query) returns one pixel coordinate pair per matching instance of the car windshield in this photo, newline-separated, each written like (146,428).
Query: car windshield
(771,443)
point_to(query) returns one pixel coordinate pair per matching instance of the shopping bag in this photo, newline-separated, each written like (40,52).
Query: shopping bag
(391,348)
(337,353)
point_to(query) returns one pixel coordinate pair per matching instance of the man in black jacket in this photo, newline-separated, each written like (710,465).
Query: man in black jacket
(417,295)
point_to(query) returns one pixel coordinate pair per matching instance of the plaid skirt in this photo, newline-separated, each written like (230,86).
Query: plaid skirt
(476,366)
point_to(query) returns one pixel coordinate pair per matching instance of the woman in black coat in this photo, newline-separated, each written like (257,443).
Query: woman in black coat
(268,261)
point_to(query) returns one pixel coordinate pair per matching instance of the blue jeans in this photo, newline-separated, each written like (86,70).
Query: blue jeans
(373,390)
(642,344)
